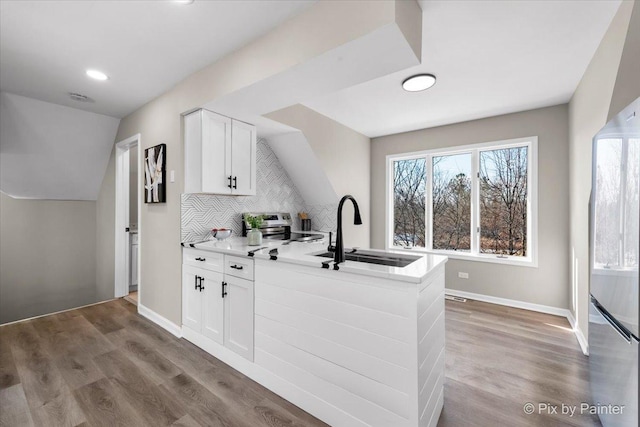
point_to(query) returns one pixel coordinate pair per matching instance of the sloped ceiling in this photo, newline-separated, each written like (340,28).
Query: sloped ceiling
(49,151)
(145,47)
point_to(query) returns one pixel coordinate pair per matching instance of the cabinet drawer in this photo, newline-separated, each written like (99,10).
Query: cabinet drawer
(203,259)
(238,267)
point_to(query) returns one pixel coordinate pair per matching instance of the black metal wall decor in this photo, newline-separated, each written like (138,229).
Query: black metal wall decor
(155,160)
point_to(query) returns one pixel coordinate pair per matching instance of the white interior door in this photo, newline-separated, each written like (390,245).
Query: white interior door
(243,158)
(122,246)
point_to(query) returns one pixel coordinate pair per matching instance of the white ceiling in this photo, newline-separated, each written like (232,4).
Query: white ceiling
(490,58)
(145,47)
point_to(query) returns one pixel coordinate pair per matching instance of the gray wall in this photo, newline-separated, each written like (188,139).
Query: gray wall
(548,284)
(627,87)
(47,256)
(344,155)
(105,232)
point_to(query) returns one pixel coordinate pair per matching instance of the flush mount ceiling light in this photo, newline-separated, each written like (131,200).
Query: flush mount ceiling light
(98,75)
(419,82)
(183,1)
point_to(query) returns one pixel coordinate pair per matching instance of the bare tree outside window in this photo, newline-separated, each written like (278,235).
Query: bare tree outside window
(409,190)
(503,201)
(440,196)
(631,231)
(616,196)
(608,202)
(452,202)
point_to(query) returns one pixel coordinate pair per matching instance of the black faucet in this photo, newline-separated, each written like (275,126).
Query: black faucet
(357,220)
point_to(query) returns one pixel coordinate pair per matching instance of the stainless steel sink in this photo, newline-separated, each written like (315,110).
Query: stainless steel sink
(371,257)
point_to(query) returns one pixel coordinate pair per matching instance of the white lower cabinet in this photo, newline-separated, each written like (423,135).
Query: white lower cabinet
(238,316)
(218,306)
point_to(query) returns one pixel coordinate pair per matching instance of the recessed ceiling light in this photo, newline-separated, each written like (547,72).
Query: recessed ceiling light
(183,1)
(98,75)
(419,82)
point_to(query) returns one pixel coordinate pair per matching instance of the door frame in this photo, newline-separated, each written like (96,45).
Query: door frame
(122,247)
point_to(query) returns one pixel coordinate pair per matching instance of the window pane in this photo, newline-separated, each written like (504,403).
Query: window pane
(503,201)
(607,200)
(409,182)
(452,202)
(631,222)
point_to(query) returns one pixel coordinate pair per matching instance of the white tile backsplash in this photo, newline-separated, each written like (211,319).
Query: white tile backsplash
(274,192)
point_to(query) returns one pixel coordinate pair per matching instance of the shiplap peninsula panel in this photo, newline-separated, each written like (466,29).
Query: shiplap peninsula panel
(371,348)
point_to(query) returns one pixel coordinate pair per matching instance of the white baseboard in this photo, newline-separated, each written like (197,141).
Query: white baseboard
(163,322)
(556,311)
(509,302)
(579,335)
(55,312)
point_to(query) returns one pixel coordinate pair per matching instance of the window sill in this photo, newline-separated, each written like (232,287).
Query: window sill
(526,262)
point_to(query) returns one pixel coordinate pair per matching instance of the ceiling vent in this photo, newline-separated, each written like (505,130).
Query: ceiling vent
(79,97)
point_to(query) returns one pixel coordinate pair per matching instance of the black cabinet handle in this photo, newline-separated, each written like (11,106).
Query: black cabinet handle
(201,259)
(224,289)
(229,178)
(235,182)
(201,282)
(236,267)
(195,282)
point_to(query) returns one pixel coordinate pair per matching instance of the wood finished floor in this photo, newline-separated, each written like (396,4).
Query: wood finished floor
(132,298)
(500,358)
(105,365)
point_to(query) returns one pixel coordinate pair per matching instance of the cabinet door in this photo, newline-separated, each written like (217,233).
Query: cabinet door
(216,153)
(238,316)
(191,298)
(243,158)
(212,306)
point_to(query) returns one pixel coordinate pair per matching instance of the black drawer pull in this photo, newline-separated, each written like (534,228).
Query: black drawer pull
(236,267)
(201,259)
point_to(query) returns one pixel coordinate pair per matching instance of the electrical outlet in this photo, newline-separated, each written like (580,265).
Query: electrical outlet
(463,275)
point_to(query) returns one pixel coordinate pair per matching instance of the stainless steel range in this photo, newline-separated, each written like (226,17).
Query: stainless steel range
(277,226)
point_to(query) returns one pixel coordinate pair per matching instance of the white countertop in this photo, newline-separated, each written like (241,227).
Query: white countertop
(302,253)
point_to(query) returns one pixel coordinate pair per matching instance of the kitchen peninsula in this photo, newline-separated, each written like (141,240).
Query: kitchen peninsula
(359,346)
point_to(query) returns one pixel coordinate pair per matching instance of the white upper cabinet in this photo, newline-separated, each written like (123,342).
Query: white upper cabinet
(220,155)
(243,158)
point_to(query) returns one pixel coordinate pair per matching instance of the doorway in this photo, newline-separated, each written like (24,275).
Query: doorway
(127,222)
